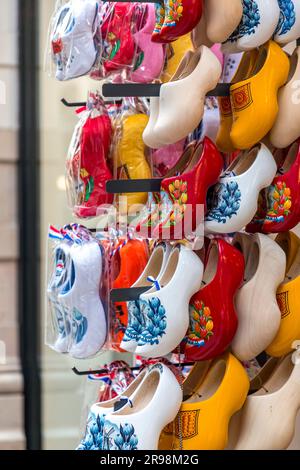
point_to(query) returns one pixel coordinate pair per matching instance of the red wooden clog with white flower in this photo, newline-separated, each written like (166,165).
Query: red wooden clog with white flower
(213,319)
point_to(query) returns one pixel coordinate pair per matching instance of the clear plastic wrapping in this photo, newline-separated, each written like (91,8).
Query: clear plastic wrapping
(77,320)
(88,166)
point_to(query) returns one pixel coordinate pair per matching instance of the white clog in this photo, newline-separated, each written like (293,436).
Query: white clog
(233,201)
(59,337)
(222,18)
(259,21)
(149,136)
(181,102)
(138,425)
(267,420)
(287,125)
(257,308)
(82,301)
(152,272)
(166,311)
(72,38)
(288,28)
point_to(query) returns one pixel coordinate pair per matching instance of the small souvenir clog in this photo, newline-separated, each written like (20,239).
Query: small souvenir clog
(150,57)
(81,300)
(138,424)
(256,305)
(286,127)
(165,313)
(183,197)
(288,299)
(204,417)
(131,156)
(213,319)
(254,99)
(233,201)
(267,420)
(279,204)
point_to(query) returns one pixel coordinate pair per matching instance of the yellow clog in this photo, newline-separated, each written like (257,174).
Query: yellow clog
(288,298)
(131,155)
(176,52)
(254,100)
(204,418)
(245,67)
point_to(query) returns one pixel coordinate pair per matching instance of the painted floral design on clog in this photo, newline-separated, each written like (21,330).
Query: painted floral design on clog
(173,202)
(287,17)
(160,18)
(201,324)
(250,21)
(79,326)
(279,202)
(174,12)
(154,314)
(101,434)
(224,202)
(136,322)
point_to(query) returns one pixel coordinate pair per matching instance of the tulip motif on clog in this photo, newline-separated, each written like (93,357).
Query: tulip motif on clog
(279,205)
(213,319)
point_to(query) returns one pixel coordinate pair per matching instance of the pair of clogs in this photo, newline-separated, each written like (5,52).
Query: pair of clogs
(251,111)
(159,318)
(135,420)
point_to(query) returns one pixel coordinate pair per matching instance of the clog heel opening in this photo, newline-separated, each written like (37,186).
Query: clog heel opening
(210,384)
(171,268)
(153,268)
(211,266)
(241,164)
(251,263)
(286,161)
(279,378)
(144,396)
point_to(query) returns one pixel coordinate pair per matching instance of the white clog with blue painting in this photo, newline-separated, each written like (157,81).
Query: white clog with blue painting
(259,21)
(72,38)
(59,337)
(165,312)
(81,299)
(149,277)
(138,424)
(232,203)
(288,28)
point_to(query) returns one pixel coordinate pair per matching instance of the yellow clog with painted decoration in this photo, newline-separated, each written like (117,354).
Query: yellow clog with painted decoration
(131,155)
(244,69)
(254,100)
(288,298)
(204,417)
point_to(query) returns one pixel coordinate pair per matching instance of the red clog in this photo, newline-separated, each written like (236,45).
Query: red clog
(213,319)
(119,44)
(133,257)
(92,165)
(184,197)
(181,17)
(279,204)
